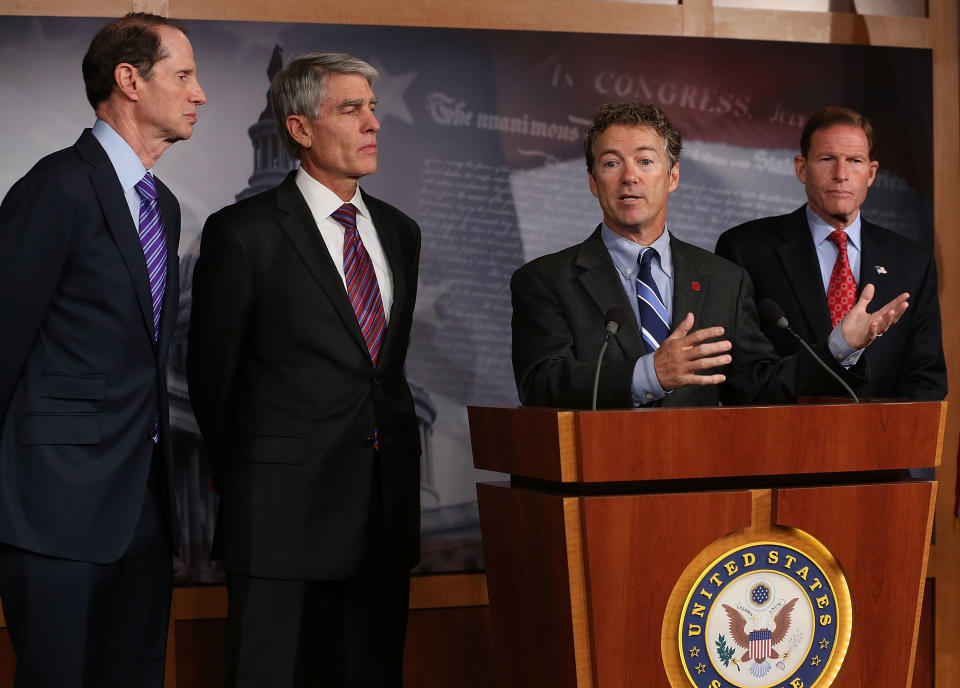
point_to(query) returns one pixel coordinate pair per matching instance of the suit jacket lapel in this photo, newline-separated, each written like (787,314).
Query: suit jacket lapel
(874,257)
(118,219)
(599,279)
(801,269)
(302,231)
(687,283)
(170,213)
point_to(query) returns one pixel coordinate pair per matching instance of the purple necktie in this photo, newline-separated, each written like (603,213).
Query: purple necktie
(154,243)
(362,287)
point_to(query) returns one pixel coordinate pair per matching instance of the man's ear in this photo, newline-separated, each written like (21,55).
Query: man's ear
(299,128)
(127,80)
(674,177)
(593,184)
(874,165)
(800,167)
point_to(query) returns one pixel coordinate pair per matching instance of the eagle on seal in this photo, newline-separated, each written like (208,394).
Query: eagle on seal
(760,642)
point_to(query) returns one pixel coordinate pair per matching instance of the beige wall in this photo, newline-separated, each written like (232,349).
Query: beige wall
(693,18)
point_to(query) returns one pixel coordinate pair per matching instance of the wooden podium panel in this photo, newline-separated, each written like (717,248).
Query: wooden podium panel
(537,611)
(602,446)
(880,533)
(638,546)
(593,548)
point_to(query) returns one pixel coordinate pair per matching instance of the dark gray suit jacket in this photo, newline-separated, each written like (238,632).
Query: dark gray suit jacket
(779,255)
(287,397)
(560,303)
(82,380)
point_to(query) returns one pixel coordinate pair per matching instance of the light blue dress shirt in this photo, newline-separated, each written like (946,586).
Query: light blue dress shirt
(126,163)
(624,253)
(827,253)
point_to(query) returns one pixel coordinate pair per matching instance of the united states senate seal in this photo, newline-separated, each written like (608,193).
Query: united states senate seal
(764,615)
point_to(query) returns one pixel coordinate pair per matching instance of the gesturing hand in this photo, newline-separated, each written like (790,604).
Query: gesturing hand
(683,354)
(861,328)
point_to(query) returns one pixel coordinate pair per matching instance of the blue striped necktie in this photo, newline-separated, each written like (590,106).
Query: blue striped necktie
(361,280)
(154,243)
(654,319)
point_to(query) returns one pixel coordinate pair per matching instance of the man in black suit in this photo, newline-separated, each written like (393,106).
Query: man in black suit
(303,300)
(562,302)
(791,259)
(88,273)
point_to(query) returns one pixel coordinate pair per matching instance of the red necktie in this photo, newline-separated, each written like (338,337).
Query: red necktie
(842,291)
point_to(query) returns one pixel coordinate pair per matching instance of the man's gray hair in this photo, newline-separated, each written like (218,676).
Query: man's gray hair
(301,87)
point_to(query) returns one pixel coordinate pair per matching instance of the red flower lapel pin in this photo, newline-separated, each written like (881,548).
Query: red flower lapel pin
(695,286)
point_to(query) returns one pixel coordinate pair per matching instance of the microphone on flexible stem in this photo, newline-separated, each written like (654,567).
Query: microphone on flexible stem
(772,314)
(615,317)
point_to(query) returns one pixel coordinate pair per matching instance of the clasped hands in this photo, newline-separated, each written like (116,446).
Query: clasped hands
(685,354)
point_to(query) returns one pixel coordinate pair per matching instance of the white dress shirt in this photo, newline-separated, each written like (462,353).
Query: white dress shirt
(322,203)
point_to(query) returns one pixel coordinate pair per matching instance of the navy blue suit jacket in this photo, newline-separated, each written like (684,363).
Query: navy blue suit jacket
(778,253)
(82,380)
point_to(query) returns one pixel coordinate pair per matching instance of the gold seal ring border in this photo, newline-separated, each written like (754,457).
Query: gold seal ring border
(675,664)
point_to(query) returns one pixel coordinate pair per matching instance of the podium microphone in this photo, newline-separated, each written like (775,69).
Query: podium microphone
(772,314)
(615,317)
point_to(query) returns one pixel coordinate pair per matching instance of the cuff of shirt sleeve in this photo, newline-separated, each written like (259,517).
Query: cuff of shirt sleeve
(646,387)
(839,349)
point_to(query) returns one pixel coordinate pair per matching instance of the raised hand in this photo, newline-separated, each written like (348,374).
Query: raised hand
(861,328)
(683,354)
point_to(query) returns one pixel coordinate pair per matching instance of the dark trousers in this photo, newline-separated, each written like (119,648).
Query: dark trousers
(308,634)
(75,624)
(320,634)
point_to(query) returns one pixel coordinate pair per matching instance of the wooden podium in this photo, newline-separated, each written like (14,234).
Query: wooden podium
(610,516)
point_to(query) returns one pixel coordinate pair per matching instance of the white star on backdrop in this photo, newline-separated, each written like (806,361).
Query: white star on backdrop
(389,90)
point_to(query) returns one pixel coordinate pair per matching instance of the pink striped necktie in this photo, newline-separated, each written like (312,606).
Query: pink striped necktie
(154,243)
(362,286)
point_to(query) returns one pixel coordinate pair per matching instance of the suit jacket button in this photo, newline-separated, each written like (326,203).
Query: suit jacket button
(378,380)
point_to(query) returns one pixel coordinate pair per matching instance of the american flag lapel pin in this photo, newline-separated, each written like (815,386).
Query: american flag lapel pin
(880,269)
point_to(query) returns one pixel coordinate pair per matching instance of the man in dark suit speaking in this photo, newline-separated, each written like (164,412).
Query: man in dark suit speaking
(802,260)
(88,302)
(631,262)
(303,300)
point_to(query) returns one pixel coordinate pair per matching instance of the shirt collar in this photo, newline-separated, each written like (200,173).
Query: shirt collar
(821,230)
(625,253)
(322,201)
(126,163)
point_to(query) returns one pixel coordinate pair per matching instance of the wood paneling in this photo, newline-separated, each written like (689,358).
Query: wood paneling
(605,449)
(821,27)
(533,15)
(946,191)
(639,545)
(880,535)
(449,647)
(923,661)
(536,631)
(497,434)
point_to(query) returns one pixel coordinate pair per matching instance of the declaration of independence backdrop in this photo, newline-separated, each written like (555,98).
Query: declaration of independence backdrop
(481,143)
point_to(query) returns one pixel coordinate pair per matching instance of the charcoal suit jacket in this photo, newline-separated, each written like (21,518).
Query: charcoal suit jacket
(288,399)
